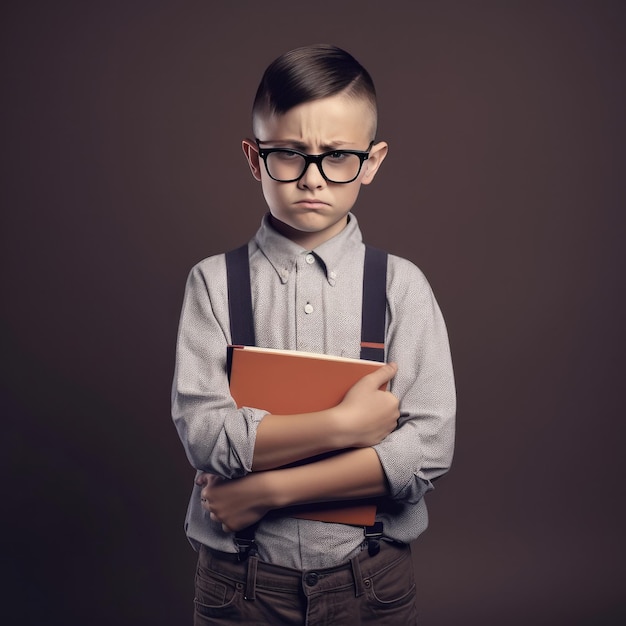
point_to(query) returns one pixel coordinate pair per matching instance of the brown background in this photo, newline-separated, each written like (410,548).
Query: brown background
(121,168)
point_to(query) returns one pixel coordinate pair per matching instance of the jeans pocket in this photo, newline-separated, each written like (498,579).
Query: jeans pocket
(393,586)
(215,594)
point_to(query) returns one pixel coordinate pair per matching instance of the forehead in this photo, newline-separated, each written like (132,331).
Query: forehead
(336,119)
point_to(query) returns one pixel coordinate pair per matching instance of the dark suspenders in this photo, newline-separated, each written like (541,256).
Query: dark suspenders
(373,307)
(240,297)
(373,310)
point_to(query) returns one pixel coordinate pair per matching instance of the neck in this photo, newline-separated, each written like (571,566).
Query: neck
(308,240)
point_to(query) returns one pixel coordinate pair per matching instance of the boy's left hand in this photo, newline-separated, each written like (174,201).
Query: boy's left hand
(235,503)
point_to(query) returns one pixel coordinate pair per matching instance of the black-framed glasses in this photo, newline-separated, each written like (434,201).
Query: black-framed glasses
(285,165)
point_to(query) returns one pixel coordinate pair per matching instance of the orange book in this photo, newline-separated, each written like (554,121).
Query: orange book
(287,382)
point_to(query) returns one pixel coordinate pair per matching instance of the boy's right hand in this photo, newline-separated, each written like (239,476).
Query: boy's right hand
(367,414)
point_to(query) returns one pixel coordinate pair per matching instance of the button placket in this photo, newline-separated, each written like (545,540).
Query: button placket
(309,286)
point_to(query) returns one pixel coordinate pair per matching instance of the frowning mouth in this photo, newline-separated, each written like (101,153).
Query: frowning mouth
(311,203)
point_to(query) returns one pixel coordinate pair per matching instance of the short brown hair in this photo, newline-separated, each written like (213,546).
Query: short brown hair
(312,73)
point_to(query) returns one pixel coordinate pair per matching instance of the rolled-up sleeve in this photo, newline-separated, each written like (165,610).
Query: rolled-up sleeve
(421,448)
(217,436)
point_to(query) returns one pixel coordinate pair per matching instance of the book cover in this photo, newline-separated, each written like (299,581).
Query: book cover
(286,382)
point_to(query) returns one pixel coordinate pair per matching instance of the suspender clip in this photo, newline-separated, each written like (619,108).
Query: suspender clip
(246,546)
(373,535)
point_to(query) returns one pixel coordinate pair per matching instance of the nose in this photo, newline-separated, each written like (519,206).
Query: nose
(312,177)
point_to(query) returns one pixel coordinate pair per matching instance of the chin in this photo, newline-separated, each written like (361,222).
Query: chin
(308,219)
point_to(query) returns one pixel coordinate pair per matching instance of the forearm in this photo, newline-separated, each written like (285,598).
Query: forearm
(238,503)
(284,439)
(350,475)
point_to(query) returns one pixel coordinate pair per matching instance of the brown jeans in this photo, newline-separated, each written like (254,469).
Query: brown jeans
(367,589)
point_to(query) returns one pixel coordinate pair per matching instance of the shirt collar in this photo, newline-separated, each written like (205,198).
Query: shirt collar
(282,252)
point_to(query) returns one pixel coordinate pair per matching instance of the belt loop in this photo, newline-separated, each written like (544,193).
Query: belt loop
(359,588)
(250,590)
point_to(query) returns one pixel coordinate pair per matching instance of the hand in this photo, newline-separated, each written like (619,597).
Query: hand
(235,503)
(368,414)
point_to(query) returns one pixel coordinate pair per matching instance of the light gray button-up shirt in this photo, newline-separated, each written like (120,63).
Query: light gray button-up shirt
(310,300)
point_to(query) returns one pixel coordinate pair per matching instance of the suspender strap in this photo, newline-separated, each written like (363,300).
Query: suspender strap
(241,333)
(240,297)
(373,312)
(374,305)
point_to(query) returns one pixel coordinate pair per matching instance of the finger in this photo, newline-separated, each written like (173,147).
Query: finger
(382,375)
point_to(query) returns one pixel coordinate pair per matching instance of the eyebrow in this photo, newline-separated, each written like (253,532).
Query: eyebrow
(298,145)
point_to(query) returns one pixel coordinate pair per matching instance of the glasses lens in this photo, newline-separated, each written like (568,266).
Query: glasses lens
(340,167)
(285,165)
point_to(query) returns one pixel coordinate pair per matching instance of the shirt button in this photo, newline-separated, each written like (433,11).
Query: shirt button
(310,259)
(308,308)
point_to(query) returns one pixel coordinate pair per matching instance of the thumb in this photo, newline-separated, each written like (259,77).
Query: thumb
(382,375)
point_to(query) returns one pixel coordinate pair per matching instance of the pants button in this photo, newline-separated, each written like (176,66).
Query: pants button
(311,579)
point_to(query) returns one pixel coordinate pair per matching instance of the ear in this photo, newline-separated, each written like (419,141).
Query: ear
(377,156)
(251,151)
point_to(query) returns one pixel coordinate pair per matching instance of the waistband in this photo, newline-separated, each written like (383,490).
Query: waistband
(254,573)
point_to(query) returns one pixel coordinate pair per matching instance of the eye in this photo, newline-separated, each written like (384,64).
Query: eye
(337,157)
(287,155)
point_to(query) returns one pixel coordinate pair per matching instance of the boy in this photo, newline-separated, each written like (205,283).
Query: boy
(314,122)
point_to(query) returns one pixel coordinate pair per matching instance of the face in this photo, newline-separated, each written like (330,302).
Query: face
(311,210)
